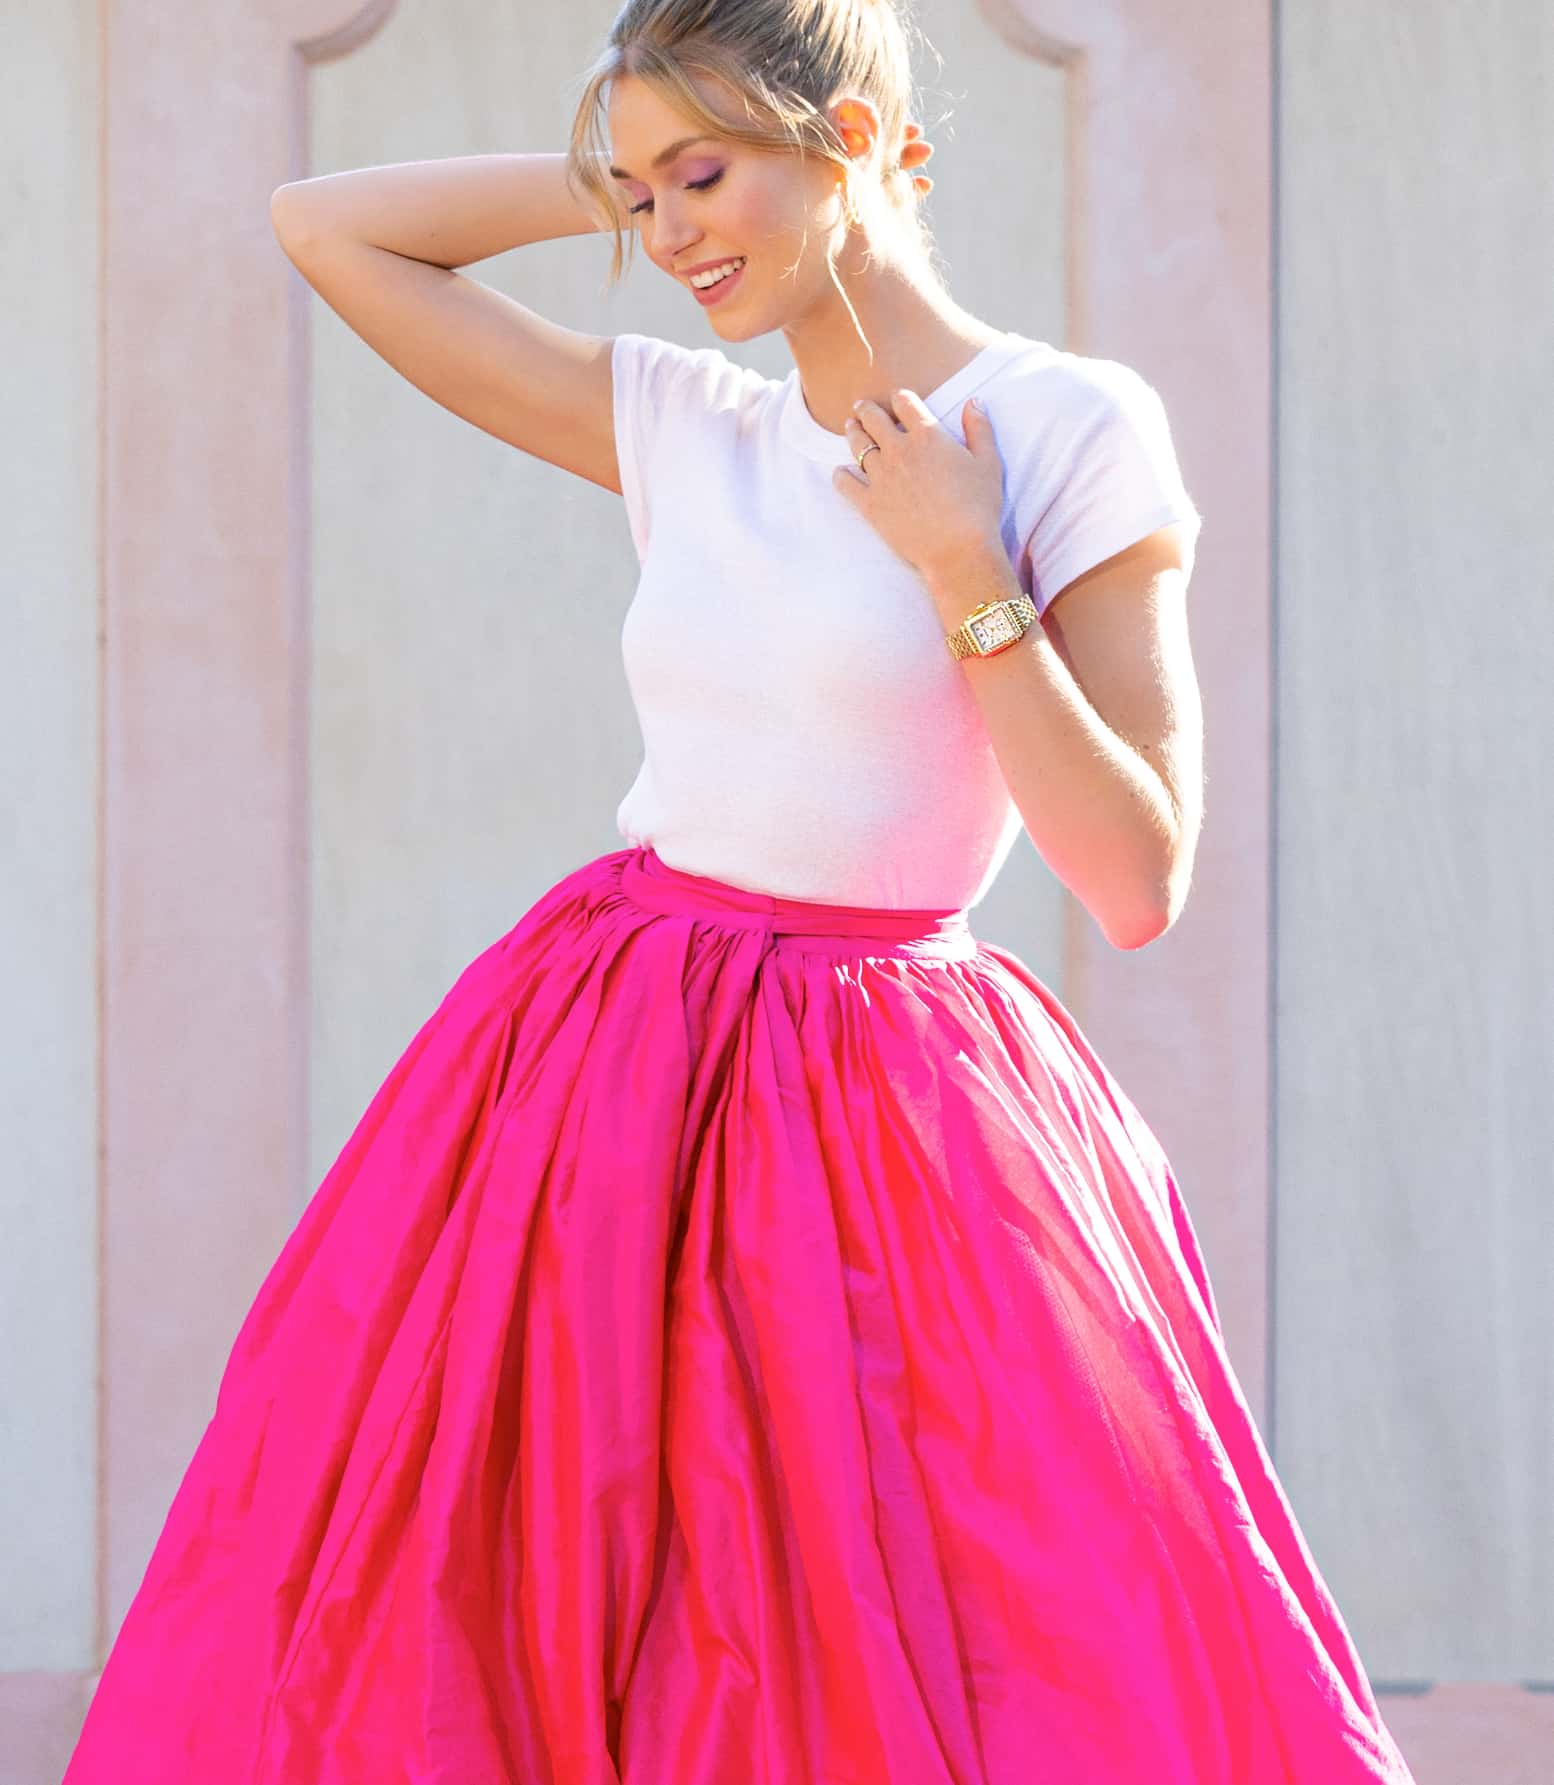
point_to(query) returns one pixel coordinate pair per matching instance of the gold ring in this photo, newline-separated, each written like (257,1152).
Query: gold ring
(873,446)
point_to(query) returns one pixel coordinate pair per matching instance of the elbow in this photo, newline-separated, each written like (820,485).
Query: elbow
(1150,917)
(278,204)
(1138,932)
(289,219)
(282,222)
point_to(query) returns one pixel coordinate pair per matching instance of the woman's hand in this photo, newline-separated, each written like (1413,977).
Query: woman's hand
(929,498)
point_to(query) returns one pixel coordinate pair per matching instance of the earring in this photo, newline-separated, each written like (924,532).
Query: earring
(914,152)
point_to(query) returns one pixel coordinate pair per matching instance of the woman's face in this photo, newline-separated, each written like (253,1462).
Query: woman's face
(715,201)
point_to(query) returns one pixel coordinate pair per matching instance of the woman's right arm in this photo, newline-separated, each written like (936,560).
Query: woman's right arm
(380,246)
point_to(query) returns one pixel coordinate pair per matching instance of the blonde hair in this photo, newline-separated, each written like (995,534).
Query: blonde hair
(787,60)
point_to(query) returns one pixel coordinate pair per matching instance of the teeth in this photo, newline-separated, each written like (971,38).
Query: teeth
(711,277)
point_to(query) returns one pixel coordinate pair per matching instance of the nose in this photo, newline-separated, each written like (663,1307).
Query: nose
(673,233)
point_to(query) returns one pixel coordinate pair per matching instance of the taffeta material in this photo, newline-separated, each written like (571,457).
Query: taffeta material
(745,1341)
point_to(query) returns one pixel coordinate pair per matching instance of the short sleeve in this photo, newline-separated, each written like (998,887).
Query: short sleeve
(658,388)
(1118,479)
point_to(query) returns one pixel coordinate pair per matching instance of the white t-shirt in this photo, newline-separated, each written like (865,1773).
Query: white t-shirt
(806,731)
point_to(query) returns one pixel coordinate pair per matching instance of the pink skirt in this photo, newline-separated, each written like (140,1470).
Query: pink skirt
(745,1341)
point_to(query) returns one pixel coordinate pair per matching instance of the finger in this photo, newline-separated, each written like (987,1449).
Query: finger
(911,408)
(842,477)
(873,416)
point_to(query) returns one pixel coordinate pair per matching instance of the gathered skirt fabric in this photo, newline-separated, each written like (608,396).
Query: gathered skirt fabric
(744,1341)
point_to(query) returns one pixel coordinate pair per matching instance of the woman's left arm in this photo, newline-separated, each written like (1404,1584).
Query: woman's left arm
(1097,722)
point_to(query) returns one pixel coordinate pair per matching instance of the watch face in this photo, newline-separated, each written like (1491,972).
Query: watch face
(994,629)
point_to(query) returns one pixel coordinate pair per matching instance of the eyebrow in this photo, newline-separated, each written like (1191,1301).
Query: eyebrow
(665,155)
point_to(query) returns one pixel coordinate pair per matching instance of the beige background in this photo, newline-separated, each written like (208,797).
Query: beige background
(310,689)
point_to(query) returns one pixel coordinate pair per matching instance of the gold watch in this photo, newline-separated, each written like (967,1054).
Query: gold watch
(992,628)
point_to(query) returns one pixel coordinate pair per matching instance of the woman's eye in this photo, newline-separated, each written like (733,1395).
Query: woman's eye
(691,186)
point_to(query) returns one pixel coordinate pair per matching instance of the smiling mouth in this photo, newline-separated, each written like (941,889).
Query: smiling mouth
(735,261)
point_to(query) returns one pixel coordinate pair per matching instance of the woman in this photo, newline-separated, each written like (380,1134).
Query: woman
(750,1336)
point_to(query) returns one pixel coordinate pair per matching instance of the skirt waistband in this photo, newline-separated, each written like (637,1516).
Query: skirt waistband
(649,881)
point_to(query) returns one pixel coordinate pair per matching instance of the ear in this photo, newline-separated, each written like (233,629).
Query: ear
(857,123)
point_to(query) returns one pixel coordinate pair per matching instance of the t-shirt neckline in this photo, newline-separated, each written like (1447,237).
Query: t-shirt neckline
(801,429)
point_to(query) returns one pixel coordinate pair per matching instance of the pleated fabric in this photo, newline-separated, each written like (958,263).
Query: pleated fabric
(745,1341)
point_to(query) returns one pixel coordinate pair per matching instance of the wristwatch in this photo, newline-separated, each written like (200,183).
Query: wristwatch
(992,628)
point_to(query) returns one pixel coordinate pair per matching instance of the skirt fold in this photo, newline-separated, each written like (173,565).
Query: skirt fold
(744,1341)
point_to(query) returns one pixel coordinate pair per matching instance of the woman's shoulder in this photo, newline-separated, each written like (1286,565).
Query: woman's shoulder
(1056,388)
(667,374)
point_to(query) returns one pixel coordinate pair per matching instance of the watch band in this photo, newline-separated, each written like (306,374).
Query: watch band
(993,627)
